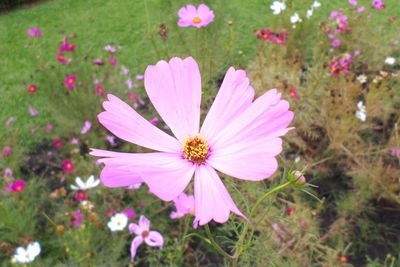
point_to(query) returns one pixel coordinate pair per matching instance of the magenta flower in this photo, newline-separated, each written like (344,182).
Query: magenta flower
(81,195)
(34,32)
(353,2)
(67,166)
(65,46)
(340,21)
(62,59)
(143,233)
(154,121)
(69,81)
(293,93)
(378,4)
(76,219)
(130,213)
(98,61)
(17,186)
(7,151)
(48,128)
(360,9)
(34,112)
(86,127)
(110,48)
(239,137)
(336,43)
(190,16)
(184,204)
(113,61)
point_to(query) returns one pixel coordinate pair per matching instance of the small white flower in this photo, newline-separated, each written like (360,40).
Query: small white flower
(297,159)
(295,18)
(277,7)
(26,255)
(309,12)
(81,185)
(118,222)
(316,4)
(390,60)
(362,78)
(361,113)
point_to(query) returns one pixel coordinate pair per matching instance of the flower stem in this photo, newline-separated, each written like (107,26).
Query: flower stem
(214,244)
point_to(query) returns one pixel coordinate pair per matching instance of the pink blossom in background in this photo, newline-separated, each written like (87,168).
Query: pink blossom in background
(65,46)
(33,130)
(48,128)
(125,70)
(154,121)
(110,48)
(8,173)
(378,4)
(139,77)
(113,61)
(184,204)
(195,17)
(130,213)
(111,140)
(57,143)
(76,219)
(109,212)
(143,233)
(99,90)
(61,58)
(395,152)
(360,9)
(34,112)
(353,2)
(240,137)
(129,83)
(335,43)
(9,121)
(341,64)
(268,35)
(75,141)
(32,88)
(86,127)
(98,61)
(34,32)
(17,186)
(293,93)
(81,196)
(69,81)
(67,166)
(340,21)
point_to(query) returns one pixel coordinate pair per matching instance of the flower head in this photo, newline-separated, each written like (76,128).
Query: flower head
(34,112)
(130,213)
(86,127)
(277,7)
(118,222)
(361,112)
(7,151)
(32,89)
(239,137)
(195,17)
(295,18)
(67,166)
(91,182)
(62,59)
(293,93)
(65,46)
(48,127)
(353,2)
(110,48)
(76,219)
(81,196)
(378,4)
(143,233)
(69,81)
(184,204)
(9,121)
(17,186)
(34,32)
(390,60)
(26,255)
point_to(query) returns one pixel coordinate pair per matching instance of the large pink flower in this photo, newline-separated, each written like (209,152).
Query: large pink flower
(239,137)
(195,17)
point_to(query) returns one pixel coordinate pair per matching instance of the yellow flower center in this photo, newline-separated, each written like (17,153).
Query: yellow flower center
(196,20)
(145,234)
(195,149)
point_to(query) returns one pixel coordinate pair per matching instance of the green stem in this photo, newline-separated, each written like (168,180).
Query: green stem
(214,244)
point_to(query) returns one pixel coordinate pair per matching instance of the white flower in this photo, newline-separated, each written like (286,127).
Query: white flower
(25,255)
(316,4)
(362,78)
(81,185)
(295,18)
(297,159)
(390,60)
(118,222)
(361,113)
(310,12)
(277,7)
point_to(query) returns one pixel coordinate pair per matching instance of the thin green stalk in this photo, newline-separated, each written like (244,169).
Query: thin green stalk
(214,244)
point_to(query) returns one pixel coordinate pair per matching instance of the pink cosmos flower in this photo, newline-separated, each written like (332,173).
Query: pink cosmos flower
(99,90)
(378,4)
(34,112)
(125,70)
(129,83)
(8,173)
(336,43)
(34,32)
(113,61)
(86,127)
(293,93)
(76,219)
(269,36)
(65,46)
(48,127)
(81,195)
(184,204)
(190,16)
(239,137)
(139,77)
(143,233)
(360,9)
(69,81)
(17,186)
(111,140)
(353,2)
(154,121)
(341,63)
(75,141)
(62,59)
(67,166)
(9,121)
(130,213)
(340,21)
(110,48)
(32,88)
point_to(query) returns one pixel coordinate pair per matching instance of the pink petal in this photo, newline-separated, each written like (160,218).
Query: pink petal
(205,14)
(136,242)
(127,124)
(144,224)
(134,228)
(174,88)
(111,176)
(154,239)
(212,200)
(166,174)
(234,96)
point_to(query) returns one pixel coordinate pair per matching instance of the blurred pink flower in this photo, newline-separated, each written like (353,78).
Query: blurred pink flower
(125,70)
(7,151)
(341,63)
(48,127)
(143,233)
(9,121)
(33,130)
(32,88)
(65,46)
(69,81)
(17,186)
(340,21)
(378,4)
(360,9)
(34,32)
(240,137)
(61,58)
(98,61)
(86,127)
(130,213)
(184,204)
(8,173)
(113,61)
(293,93)
(353,2)
(111,140)
(34,112)
(129,83)
(81,195)
(67,166)
(75,141)
(190,16)
(154,121)
(100,91)
(139,77)
(110,48)
(57,143)
(395,152)
(76,219)
(335,43)
(268,35)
